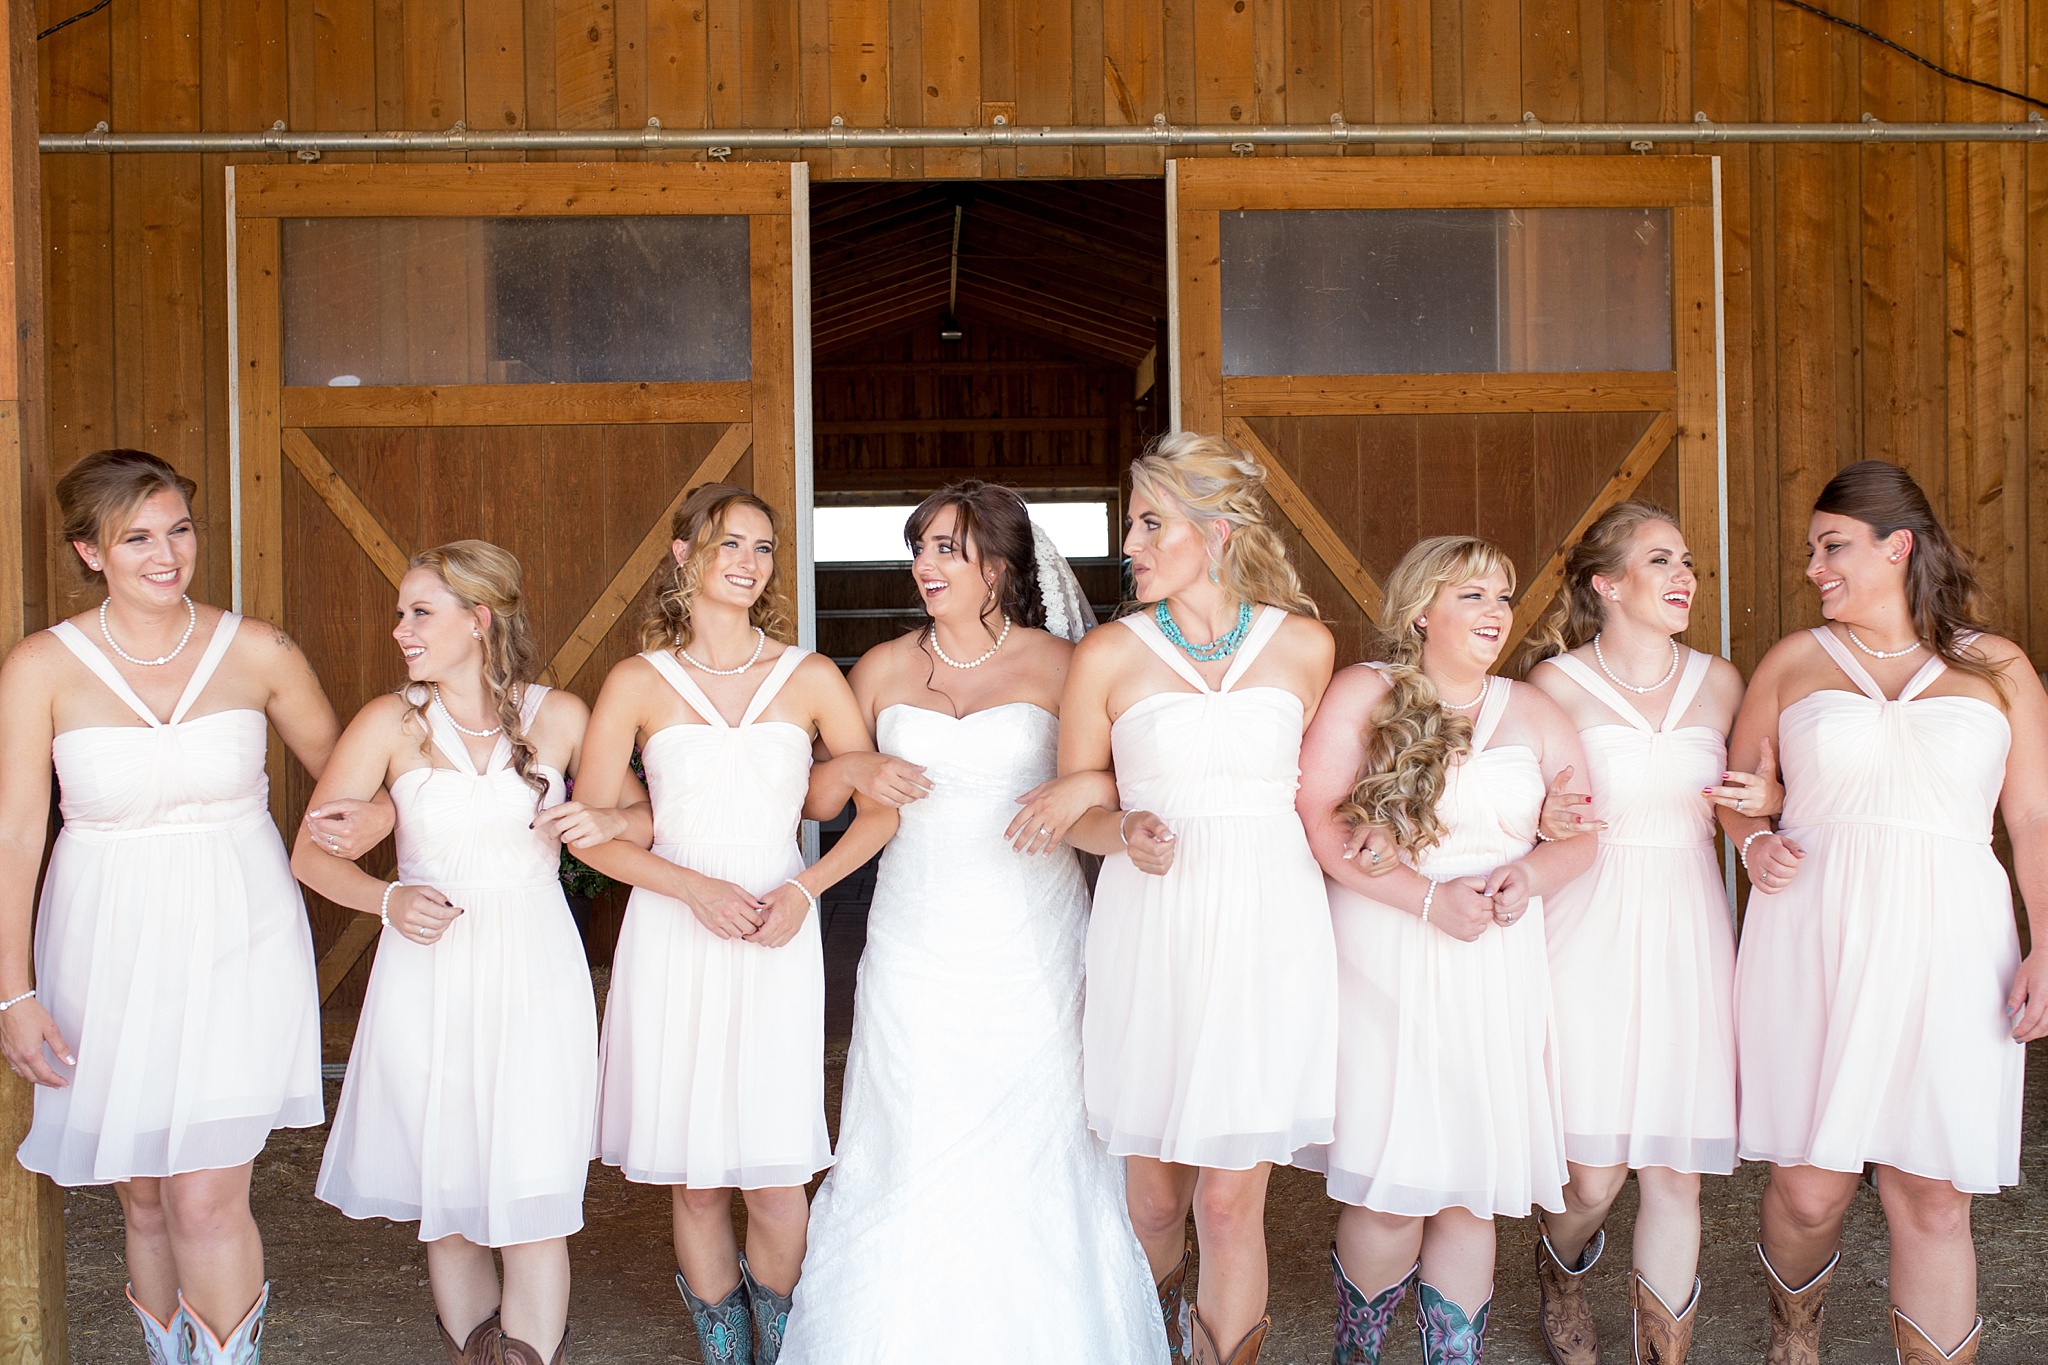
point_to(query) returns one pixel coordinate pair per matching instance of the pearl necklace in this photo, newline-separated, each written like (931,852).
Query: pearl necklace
(1618,681)
(191,621)
(1880,653)
(944,658)
(447,715)
(760,643)
(1485,686)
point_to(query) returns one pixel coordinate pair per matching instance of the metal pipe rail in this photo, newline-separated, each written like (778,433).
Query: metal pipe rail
(719,143)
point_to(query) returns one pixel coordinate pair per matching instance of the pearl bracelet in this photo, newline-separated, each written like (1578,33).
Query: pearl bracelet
(807,893)
(384,906)
(1427,897)
(6,1005)
(1753,837)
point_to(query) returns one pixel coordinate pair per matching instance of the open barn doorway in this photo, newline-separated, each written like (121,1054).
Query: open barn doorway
(1004,330)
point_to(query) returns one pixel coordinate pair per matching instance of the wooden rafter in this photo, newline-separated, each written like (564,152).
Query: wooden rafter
(354,515)
(1314,527)
(1542,589)
(626,583)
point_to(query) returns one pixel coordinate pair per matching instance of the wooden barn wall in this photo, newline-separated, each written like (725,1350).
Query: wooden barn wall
(1886,301)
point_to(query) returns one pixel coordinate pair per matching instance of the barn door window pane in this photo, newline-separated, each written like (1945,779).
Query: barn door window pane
(1445,291)
(516,300)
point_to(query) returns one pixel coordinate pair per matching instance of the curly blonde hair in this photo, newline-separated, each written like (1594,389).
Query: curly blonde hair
(481,574)
(1578,613)
(1413,738)
(668,624)
(1206,480)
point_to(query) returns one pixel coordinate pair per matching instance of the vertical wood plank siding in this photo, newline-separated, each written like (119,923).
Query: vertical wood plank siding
(1890,301)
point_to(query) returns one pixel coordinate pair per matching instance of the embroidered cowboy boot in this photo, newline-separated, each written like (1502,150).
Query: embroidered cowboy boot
(512,1351)
(1448,1336)
(1564,1316)
(1915,1347)
(771,1316)
(1662,1337)
(1246,1352)
(160,1339)
(483,1340)
(1796,1313)
(244,1345)
(1363,1320)
(1173,1306)
(725,1330)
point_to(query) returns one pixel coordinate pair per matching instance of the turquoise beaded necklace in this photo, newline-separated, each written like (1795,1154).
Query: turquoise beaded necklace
(1222,647)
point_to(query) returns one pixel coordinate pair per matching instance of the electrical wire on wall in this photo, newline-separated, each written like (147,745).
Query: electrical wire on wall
(1874,36)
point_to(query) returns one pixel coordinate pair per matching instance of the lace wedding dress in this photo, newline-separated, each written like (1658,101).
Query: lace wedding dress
(971,1215)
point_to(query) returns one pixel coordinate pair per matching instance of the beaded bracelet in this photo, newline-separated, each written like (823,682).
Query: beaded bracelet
(1753,837)
(7,1005)
(384,906)
(1427,897)
(807,893)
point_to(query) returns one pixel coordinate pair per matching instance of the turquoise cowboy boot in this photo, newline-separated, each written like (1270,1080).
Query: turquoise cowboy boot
(725,1330)
(1448,1336)
(198,1346)
(1363,1321)
(160,1339)
(771,1316)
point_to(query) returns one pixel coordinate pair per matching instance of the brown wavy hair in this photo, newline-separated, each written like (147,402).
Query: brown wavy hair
(100,495)
(995,526)
(481,574)
(668,624)
(1578,613)
(1941,587)
(1412,738)
(1206,479)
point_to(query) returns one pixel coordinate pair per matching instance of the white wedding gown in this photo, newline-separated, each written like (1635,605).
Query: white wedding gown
(970,1214)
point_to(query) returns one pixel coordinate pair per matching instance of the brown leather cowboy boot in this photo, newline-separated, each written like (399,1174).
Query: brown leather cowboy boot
(478,1350)
(1564,1315)
(1796,1313)
(1915,1347)
(1246,1352)
(513,1351)
(1662,1337)
(1173,1306)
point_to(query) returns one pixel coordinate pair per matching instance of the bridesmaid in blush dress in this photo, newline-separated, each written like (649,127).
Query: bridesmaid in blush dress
(1881,1004)
(1447,1092)
(1210,1030)
(172,1020)
(712,1068)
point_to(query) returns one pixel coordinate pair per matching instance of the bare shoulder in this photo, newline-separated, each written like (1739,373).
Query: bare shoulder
(818,671)
(1536,706)
(1724,680)
(1999,652)
(1043,644)
(1104,646)
(1356,688)
(1308,634)
(1792,652)
(561,705)
(265,648)
(386,711)
(39,654)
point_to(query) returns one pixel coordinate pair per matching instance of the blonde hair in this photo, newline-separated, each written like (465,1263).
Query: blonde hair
(1414,738)
(1206,479)
(668,624)
(480,574)
(1578,613)
(100,495)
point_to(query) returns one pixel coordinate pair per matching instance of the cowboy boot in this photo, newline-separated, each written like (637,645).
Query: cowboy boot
(725,1330)
(1207,1352)
(244,1345)
(1796,1313)
(476,1350)
(1362,1322)
(160,1339)
(1448,1336)
(1564,1315)
(512,1351)
(1173,1306)
(1662,1337)
(1915,1347)
(771,1316)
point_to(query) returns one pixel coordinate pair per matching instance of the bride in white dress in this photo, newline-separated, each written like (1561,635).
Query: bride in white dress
(970,1213)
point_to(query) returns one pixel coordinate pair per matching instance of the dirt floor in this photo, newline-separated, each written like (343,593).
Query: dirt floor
(357,1291)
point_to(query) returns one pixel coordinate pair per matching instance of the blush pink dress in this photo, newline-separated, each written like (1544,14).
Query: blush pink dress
(1642,946)
(1870,991)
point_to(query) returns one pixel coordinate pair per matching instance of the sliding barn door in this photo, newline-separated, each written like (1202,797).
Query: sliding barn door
(543,356)
(1456,345)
